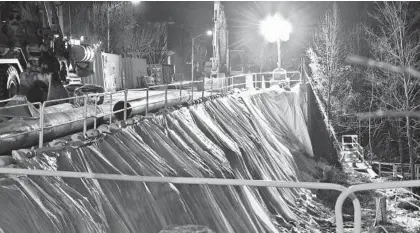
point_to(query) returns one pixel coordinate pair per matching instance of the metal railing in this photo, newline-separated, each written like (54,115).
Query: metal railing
(353,144)
(223,82)
(194,180)
(364,187)
(224,87)
(344,192)
(396,169)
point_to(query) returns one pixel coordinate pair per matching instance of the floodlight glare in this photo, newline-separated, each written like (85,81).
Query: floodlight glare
(209,32)
(275,27)
(135,2)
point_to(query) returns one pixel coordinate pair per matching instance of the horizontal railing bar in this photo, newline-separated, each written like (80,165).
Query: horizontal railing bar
(175,180)
(17,134)
(68,98)
(98,94)
(20,105)
(68,122)
(6,100)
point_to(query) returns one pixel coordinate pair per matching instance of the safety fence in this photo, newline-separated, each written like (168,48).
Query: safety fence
(395,169)
(348,192)
(227,85)
(350,144)
(198,87)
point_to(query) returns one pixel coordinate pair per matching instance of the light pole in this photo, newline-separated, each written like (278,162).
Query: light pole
(108,12)
(276,29)
(209,33)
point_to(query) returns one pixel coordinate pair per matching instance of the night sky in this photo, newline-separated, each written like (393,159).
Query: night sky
(243,18)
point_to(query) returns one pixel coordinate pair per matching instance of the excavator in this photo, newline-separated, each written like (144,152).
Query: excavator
(35,56)
(225,62)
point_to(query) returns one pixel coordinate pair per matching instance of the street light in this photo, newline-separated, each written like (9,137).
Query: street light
(276,28)
(208,33)
(109,8)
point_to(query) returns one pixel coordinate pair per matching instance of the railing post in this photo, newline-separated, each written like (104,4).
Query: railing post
(300,77)
(41,125)
(85,116)
(147,101)
(180,89)
(204,87)
(110,108)
(192,90)
(211,85)
(125,104)
(166,96)
(96,110)
(380,168)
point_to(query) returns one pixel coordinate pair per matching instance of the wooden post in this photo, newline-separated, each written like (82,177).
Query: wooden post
(381,212)
(380,168)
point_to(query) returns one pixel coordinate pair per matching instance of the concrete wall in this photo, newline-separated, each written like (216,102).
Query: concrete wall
(322,143)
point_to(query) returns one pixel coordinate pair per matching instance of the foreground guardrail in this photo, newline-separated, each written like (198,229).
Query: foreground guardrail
(363,187)
(192,180)
(345,192)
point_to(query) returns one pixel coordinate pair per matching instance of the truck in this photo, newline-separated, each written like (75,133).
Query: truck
(35,56)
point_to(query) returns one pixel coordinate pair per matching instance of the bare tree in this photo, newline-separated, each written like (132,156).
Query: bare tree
(328,46)
(395,41)
(150,40)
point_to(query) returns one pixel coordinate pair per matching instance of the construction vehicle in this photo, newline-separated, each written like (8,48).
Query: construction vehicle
(219,61)
(35,56)
(225,62)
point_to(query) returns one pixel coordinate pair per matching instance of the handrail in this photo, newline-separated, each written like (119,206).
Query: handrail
(363,187)
(224,87)
(193,180)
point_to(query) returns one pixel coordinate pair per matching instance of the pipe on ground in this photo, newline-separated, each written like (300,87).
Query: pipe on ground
(18,134)
(137,107)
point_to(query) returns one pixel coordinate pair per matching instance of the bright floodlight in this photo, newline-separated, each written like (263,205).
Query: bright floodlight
(209,32)
(275,27)
(135,2)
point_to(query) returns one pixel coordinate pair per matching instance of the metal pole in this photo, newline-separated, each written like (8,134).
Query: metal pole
(278,53)
(204,87)
(107,19)
(96,112)
(125,104)
(166,96)
(211,85)
(180,89)
(192,70)
(147,101)
(41,125)
(85,116)
(110,108)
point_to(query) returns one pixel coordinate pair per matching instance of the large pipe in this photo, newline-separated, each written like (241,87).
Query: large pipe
(138,106)
(19,134)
